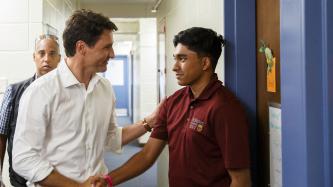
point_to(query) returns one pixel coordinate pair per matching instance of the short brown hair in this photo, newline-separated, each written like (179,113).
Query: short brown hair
(87,26)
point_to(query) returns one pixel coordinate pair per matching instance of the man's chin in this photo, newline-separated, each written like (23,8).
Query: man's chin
(102,69)
(180,83)
(43,72)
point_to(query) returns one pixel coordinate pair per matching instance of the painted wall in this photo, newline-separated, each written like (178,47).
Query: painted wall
(21,21)
(147,69)
(180,15)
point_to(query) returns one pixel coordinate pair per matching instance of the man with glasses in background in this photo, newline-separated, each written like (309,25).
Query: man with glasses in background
(46,57)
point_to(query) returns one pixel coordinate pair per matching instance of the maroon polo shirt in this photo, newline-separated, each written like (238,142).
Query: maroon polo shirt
(206,136)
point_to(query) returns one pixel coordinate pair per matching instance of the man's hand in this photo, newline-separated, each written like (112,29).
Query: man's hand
(94,181)
(152,118)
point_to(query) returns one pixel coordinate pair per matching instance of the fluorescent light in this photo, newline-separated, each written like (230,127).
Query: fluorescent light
(156,5)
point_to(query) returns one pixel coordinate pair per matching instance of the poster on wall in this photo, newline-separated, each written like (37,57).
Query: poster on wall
(275,146)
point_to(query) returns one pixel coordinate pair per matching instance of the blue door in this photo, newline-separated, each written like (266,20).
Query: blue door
(118,73)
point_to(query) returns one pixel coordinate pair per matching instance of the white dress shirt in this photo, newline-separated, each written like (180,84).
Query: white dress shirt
(64,126)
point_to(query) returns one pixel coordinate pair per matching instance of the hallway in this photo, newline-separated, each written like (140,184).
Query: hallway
(302,45)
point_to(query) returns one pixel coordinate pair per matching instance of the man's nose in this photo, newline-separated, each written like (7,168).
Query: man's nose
(46,57)
(175,66)
(111,53)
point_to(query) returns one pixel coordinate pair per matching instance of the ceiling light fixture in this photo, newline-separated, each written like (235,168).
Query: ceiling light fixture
(156,5)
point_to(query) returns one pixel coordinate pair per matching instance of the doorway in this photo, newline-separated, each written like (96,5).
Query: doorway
(119,72)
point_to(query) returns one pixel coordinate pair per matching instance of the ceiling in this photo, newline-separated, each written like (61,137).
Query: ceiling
(119,1)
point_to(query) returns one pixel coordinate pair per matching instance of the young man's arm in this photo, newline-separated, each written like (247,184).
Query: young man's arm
(240,177)
(140,162)
(136,130)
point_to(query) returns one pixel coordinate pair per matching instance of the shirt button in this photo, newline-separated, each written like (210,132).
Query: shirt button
(191,107)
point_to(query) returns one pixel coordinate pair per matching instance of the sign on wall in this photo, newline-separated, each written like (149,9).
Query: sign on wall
(275,146)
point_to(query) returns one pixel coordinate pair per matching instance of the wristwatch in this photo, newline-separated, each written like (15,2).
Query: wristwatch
(146,126)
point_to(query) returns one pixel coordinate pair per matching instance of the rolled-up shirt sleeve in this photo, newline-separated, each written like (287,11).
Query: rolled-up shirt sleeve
(32,121)
(114,135)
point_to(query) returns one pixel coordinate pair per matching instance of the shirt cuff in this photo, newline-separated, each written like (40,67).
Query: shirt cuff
(41,174)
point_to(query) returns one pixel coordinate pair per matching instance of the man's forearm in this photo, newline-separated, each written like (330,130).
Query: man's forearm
(3,142)
(55,179)
(140,162)
(132,168)
(132,132)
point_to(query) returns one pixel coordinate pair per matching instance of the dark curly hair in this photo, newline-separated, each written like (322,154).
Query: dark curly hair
(203,41)
(87,26)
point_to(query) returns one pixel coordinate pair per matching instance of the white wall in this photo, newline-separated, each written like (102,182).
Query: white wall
(178,15)
(21,21)
(55,14)
(148,69)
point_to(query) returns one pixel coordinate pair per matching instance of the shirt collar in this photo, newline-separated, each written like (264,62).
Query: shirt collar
(68,79)
(66,76)
(209,90)
(93,81)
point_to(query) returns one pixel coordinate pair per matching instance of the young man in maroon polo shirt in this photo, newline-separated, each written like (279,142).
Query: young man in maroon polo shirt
(203,123)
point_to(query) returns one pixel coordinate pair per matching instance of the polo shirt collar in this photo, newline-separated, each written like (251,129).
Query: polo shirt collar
(209,90)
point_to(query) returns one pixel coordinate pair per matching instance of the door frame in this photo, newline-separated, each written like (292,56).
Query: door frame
(306,42)
(240,63)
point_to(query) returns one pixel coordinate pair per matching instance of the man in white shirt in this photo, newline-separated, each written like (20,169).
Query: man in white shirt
(66,119)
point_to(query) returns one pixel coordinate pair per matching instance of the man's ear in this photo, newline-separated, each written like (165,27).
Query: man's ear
(206,63)
(80,47)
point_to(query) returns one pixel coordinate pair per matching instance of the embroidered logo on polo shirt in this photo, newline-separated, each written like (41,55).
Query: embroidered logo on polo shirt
(197,125)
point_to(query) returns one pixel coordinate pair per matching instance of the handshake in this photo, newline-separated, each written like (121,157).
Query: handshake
(97,181)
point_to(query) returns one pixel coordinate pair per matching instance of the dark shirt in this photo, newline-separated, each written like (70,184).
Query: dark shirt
(8,116)
(206,136)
